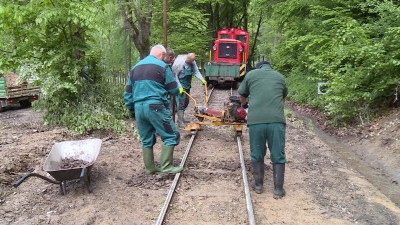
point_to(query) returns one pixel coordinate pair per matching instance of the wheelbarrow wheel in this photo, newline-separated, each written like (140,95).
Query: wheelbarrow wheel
(63,188)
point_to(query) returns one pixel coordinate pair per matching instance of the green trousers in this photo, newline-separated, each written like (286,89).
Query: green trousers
(152,116)
(271,134)
(182,100)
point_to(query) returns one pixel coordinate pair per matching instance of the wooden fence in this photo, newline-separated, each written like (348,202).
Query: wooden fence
(117,78)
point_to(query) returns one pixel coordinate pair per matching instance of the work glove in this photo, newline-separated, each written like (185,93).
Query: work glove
(180,90)
(204,82)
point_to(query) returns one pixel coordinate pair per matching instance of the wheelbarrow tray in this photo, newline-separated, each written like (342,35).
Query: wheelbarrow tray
(86,150)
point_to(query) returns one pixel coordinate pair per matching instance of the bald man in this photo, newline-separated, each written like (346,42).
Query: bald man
(150,82)
(185,72)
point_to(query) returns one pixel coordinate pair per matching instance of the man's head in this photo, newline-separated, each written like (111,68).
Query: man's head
(158,51)
(260,64)
(190,58)
(169,57)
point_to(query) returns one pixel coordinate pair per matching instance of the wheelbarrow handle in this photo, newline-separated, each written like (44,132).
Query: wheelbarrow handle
(22,179)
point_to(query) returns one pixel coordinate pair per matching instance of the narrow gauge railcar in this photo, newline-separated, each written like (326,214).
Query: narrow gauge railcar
(228,58)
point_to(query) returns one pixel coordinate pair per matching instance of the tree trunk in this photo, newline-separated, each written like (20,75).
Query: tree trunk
(137,21)
(251,55)
(245,15)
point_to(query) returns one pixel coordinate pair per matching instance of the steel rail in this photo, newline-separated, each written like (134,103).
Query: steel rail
(171,191)
(249,204)
(209,94)
(175,182)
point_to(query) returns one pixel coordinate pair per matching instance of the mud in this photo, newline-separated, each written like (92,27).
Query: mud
(321,187)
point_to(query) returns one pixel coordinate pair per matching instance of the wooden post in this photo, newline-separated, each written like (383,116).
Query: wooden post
(166,46)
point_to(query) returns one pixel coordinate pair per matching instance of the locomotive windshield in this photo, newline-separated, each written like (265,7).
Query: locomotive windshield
(227,36)
(227,50)
(241,38)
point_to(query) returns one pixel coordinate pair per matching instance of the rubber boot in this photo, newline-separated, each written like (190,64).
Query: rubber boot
(184,120)
(166,160)
(279,177)
(258,173)
(148,159)
(181,122)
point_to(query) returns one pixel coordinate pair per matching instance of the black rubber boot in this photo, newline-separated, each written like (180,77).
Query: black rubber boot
(279,178)
(258,172)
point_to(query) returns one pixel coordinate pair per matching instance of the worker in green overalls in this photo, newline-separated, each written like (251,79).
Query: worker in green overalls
(264,90)
(184,71)
(150,82)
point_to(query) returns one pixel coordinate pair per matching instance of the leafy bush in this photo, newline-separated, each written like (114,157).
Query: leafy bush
(352,45)
(56,46)
(98,108)
(302,89)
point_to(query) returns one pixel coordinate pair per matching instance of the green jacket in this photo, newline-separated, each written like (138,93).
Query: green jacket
(186,74)
(150,79)
(266,90)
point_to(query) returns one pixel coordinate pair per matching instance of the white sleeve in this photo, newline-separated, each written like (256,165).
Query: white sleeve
(196,71)
(177,81)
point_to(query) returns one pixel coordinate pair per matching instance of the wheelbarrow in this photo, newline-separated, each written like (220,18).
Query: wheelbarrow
(83,151)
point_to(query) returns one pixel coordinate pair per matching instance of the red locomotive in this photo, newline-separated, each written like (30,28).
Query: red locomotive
(230,53)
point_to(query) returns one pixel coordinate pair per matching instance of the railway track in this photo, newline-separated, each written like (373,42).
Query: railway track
(210,180)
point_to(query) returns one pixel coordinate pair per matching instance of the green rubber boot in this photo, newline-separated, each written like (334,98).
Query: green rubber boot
(166,160)
(181,122)
(148,159)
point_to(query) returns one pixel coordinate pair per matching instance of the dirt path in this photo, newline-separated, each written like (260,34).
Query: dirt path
(321,187)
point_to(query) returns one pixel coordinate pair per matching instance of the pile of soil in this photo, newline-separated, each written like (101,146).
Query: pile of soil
(70,163)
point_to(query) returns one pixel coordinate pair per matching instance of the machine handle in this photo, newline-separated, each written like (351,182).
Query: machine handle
(206,95)
(194,100)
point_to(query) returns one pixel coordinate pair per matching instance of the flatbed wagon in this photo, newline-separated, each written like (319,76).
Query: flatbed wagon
(22,94)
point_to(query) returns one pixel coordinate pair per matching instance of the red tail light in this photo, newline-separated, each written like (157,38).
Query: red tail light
(35,97)
(10,100)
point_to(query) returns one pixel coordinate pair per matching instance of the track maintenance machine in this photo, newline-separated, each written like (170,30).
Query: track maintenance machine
(232,114)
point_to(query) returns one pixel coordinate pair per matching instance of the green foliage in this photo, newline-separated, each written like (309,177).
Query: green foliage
(301,89)
(187,28)
(99,108)
(118,52)
(192,25)
(288,113)
(54,41)
(352,45)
